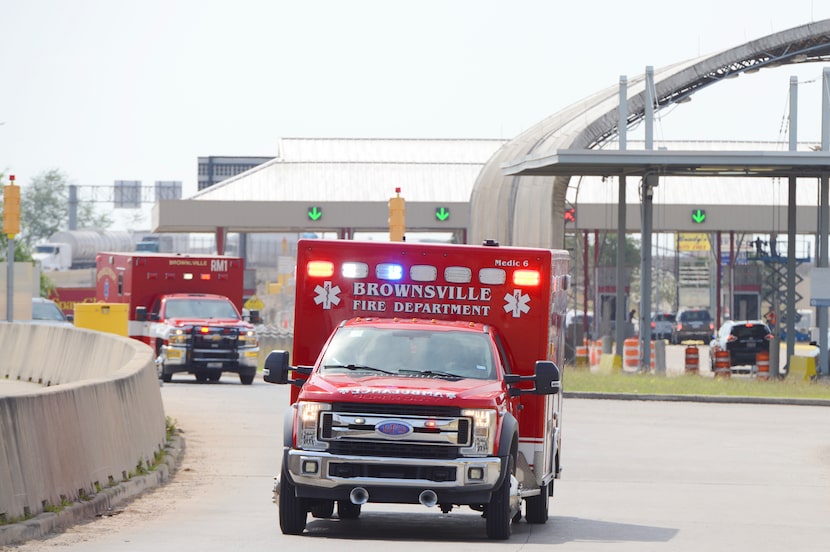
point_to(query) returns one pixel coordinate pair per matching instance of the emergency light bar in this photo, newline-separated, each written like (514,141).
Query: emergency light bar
(320,269)
(389,271)
(492,276)
(354,270)
(458,274)
(526,278)
(421,273)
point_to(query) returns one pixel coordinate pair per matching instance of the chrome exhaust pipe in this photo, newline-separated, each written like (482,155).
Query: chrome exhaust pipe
(428,498)
(359,495)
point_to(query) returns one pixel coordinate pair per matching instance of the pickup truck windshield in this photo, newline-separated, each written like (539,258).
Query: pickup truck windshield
(421,353)
(200,308)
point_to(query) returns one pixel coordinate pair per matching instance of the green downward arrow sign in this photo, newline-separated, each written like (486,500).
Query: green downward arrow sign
(442,213)
(314,213)
(698,216)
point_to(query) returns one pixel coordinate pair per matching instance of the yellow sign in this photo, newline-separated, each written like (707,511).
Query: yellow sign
(693,241)
(254,303)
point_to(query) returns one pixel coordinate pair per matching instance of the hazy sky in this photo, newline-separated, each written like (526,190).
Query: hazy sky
(110,90)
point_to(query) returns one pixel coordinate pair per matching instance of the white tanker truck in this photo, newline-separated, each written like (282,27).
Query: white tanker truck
(68,249)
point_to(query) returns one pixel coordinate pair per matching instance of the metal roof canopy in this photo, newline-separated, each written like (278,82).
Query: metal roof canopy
(655,163)
(583,162)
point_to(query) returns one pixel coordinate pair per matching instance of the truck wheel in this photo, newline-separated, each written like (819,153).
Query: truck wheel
(347,510)
(246,380)
(293,510)
(201,377)
(166,375)
(322,509)
(536,508)
(498,510)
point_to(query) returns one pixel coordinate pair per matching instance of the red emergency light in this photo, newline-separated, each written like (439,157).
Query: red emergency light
(205,276)
(320,269)
(527,278)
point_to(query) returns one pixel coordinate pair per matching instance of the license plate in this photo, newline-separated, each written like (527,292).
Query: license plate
(750,345)
(214,364)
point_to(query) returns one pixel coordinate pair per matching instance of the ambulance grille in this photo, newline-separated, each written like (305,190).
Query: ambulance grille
(356,429)
(397,409)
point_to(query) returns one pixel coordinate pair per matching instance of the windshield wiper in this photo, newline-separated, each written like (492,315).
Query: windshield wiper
(355,367)
(436,373)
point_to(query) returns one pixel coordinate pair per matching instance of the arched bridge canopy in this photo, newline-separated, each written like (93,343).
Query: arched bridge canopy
(529,210)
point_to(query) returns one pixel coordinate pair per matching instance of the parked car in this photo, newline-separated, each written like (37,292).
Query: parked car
(46,311)
(661,325)
(744,339)
(692,324)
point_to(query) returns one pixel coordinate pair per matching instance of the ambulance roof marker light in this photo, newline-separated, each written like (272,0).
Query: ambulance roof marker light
(526,278)
(389,271)
(353,269)
(320,269)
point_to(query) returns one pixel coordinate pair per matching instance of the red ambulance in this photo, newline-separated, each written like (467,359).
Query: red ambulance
(423,373)
(187,307)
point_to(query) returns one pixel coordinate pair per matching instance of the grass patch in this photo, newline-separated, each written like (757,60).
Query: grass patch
(648,384)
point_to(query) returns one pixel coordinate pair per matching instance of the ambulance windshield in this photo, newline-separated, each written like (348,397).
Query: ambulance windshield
(410,353)
(200,308)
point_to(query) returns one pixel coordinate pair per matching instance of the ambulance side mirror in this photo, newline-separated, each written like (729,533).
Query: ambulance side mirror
(545,380)
(548,377)
(276,367)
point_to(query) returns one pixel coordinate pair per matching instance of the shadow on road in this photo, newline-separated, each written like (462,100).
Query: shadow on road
(470,527)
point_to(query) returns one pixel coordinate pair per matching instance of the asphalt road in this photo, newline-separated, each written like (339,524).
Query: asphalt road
(637,476)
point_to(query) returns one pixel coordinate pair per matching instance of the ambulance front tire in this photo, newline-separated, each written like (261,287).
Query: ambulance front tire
(293,511)
(165,375)
(499,520)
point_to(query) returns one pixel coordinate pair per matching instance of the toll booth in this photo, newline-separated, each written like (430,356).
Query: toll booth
(606,301)
(746,297)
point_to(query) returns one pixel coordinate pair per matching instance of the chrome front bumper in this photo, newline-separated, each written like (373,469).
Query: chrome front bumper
(175,355)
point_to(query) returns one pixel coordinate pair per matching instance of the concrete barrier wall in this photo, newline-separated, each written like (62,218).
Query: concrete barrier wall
(97,416)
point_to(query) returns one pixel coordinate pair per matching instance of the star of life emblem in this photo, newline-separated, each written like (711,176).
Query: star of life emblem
(516,303)
(327,295)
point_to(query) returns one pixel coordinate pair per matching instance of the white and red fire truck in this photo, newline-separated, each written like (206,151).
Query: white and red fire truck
(423,373)
(187,308)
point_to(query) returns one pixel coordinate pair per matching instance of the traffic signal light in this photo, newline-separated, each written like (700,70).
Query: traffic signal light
(11,209)
(397,217)
(570,214)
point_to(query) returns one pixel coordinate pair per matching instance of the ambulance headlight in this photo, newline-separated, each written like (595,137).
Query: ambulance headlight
(308,425)
(482,432)
(177,337)
(247,338)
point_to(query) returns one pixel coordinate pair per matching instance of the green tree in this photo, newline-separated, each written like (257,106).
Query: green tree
(44,208)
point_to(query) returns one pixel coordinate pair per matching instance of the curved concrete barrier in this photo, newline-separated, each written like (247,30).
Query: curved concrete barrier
(97,419)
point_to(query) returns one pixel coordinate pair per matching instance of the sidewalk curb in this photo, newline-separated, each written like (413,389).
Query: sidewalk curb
(99,505)
(722,399)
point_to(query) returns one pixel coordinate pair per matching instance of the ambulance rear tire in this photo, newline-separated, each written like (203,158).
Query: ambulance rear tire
(499,520)
(246,379)
(536,507)
(347,510)
(293,510)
